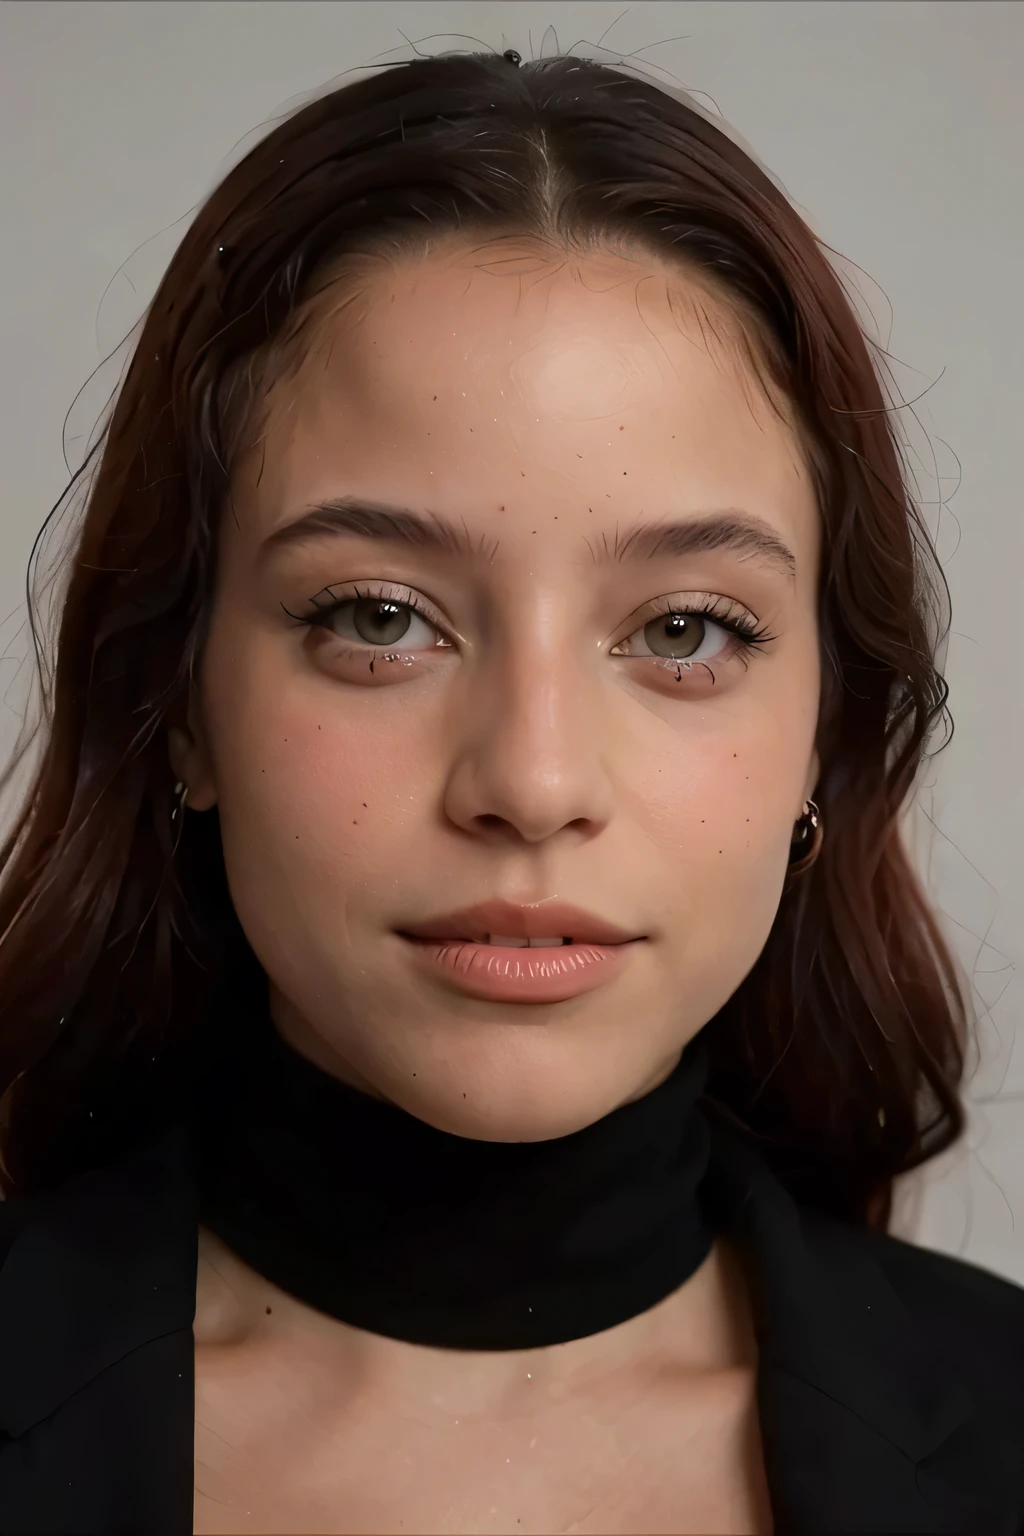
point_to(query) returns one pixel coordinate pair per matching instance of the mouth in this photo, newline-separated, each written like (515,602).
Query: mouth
(495,940)
(500,924)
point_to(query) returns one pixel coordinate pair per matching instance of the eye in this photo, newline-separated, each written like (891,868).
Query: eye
(373,621)
(379,622)
(678,636)
(685,635)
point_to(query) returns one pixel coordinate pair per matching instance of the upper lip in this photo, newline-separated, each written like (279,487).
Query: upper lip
(540,920)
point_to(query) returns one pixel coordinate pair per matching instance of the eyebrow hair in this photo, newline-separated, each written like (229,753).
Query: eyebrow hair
(725,528)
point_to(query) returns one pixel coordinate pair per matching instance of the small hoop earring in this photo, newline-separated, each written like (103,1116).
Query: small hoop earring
(812,828)
(181,790)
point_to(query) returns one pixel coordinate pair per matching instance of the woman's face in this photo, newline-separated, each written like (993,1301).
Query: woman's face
(495,703)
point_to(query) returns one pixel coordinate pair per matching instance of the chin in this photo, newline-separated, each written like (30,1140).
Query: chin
(514,1100)
(494,1121)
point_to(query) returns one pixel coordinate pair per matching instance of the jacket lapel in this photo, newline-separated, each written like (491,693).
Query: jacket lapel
(863,1429)
(101,1266)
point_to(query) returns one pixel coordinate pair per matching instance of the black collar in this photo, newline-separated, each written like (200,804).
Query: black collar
(380,1220)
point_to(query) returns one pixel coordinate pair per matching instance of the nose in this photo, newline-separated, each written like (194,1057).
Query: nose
(531,756)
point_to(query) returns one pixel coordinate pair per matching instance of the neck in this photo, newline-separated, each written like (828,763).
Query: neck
(702,1328)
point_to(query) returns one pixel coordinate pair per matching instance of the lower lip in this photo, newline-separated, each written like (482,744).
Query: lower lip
(495,973)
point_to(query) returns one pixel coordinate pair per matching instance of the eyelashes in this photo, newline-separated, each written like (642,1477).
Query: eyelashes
(399,609)
(381,604)
(748,634)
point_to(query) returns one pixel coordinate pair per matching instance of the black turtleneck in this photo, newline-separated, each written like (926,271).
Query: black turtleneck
(374,1217)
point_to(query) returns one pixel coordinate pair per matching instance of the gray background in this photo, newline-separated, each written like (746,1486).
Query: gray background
(897,129)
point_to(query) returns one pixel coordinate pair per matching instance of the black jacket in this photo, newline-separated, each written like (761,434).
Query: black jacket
(890,1378)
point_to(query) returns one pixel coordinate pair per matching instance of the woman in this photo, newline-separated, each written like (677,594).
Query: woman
(499,541)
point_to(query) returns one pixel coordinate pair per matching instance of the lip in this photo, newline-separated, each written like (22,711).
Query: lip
(533,920)
(500,974)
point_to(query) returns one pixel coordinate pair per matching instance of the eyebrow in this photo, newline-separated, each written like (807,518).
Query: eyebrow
(726,528)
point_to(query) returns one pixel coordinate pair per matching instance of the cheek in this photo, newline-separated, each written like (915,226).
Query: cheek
(723,807)
(310,798)
(720,815)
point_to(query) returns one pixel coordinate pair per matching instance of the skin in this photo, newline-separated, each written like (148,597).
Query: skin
(546,406)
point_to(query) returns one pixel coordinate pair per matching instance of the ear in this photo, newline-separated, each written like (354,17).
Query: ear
(190,760)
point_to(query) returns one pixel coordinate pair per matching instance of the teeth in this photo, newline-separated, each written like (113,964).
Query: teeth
(505,941)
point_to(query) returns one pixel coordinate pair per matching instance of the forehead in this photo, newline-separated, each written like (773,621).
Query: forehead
(448,378)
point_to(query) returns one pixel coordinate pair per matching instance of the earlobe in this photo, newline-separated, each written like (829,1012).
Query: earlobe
(813,775)
(190,767)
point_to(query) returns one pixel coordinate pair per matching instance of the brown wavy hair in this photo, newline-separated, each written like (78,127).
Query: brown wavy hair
(842,1051)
